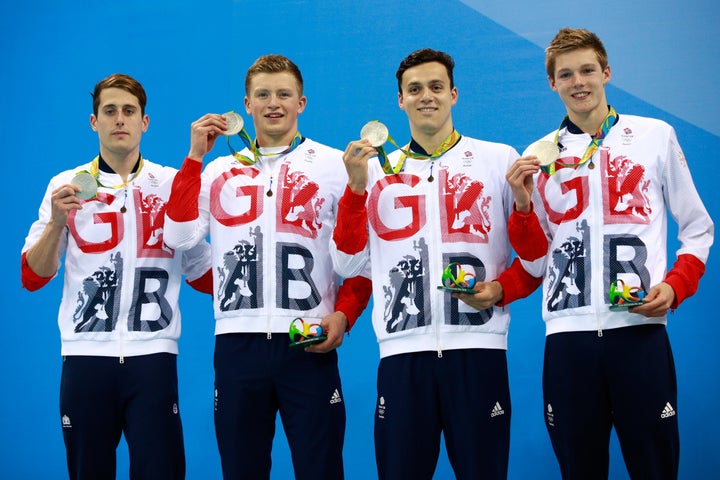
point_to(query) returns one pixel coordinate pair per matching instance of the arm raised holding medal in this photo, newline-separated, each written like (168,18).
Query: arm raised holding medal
(593,221)
(203,134)
(426,219)
(356,157)
(280,310)
(119,316)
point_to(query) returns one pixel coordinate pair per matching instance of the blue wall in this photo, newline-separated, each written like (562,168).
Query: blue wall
(192,57)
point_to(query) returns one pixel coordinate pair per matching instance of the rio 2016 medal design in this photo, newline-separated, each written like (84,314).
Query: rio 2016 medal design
(547,153)
(376,133)
(235,123)
(87,183)
(455,279)
(623,296)
(305,334)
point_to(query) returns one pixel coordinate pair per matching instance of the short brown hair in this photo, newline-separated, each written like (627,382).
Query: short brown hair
(425,55)
(273,64)
(570,39)
(123,82)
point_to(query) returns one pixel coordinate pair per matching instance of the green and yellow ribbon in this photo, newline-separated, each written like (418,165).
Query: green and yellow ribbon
(595,141)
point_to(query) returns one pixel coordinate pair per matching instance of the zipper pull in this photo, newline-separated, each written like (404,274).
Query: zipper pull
(269,335)
(122,359)
(599,332)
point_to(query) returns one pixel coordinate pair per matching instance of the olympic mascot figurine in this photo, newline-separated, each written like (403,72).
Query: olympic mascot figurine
(304,334)
(623,296)
(455,279)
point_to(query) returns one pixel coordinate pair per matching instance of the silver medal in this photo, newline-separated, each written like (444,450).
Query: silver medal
(88,185)
(375,132)
(234,123)
(546,152)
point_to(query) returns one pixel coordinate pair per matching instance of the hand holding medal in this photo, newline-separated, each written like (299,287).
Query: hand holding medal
(88,185)
(236,126)
(376,133)
(235,123)
(546,152)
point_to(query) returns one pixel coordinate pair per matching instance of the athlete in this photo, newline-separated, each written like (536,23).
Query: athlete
(119,318)
(269,211)
(443,365)
(604,211)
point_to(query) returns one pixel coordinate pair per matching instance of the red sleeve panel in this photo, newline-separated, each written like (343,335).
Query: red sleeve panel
(31,280)
(183,203)
(526,236)
(684,277)
(350,232)
(516,283)
(353,297)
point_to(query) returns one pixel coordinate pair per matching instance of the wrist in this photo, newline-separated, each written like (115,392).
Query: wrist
(356,188)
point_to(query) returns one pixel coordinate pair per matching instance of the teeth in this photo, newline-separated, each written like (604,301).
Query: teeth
(581,95)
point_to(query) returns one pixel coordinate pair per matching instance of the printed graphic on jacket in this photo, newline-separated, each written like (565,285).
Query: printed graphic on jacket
(99,301)
(300,204)
(466,210)
(151,218)
(569,272)
(625,190)
(236,200)
(626,200)
(239,286)
(626,260)
(97,309)
(405,302)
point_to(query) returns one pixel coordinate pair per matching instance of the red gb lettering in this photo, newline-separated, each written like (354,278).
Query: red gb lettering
(221,194)
(578,187)
(113,223)
(393,206)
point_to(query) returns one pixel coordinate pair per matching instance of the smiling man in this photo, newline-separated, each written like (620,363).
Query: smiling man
(269,211)
(443,365)
(605,212)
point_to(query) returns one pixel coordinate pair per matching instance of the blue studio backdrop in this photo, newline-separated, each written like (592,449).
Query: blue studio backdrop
(192,56)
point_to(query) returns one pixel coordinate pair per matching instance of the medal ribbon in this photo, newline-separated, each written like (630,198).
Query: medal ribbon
(446,145)
(95,172)
(253,147)
(595,141)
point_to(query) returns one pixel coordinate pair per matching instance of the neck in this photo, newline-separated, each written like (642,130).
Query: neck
(121,163)
(431,141)
(590,122)
(266,140)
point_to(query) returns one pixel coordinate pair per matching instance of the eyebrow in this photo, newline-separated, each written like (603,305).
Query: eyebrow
(112,105)
(430,82)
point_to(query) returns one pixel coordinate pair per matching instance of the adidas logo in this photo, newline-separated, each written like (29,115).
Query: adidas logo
(336,398)
(497,410)
(668,411)
(66,422)
(550,416)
